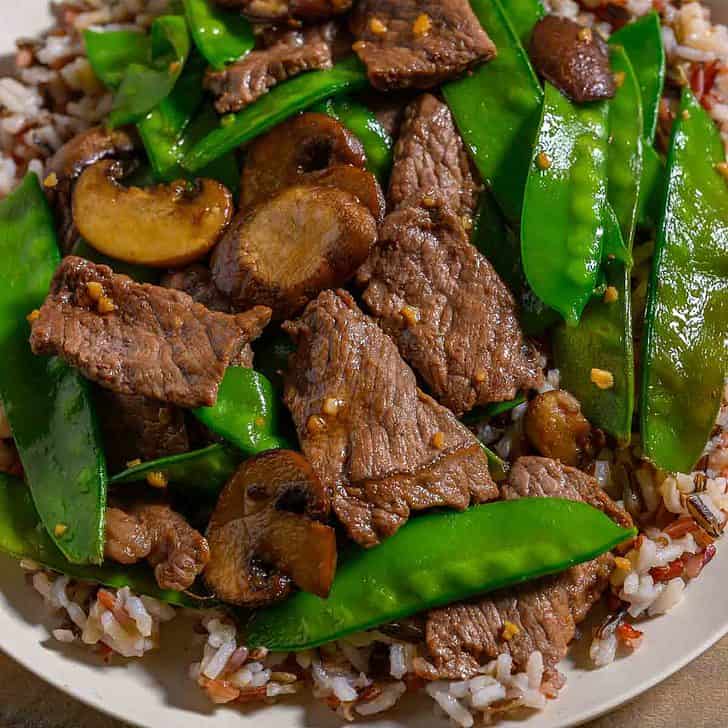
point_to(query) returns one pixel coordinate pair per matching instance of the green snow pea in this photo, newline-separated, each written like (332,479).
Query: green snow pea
(642,41)
(496,465)
(138,272)
(436,559)
(652,188)
(246,412)
(221,36)
(110,53)
(361,122)
(491,410)
(279,104)
(566,192)
(497,110)
(524,14)
(204,472)
(145,85)
(22,537)
(686,326)
(625,156)
(48,405)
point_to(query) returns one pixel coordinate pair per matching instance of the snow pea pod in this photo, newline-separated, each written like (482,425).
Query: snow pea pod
(652,188)
(221,36)
(642,41)
(283,101)
(562,230)
(686,327)
(110,53)
(22,537)
(497,108)
(437,559)
(246,412)
(47,404)
(491,410)
(203,472)
(524,14)
(145,85)
(361,122)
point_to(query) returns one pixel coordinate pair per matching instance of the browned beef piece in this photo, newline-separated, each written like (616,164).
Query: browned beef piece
(245,81)
(196,281)
(382,446)
(154,341)
(416,43)
(153,531)
(454,320)
(431,161)
(281,9)
(463,636)
(573,58)
(136,427)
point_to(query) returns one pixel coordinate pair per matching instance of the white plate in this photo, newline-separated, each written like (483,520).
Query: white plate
(156,692)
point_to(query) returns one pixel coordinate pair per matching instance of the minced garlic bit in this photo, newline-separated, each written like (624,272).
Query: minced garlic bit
(429,200)
(315,424)
(619,78)
(510,630)
(685,114)
(134,463)
(377,26)
(543,161)
(602,378)
(33,316)
(360,45)
(585,35)
(722,169)
(621,563)
(411,315)
(174,66)
(332,406)
(422,26)
(60,530)
(467,223)
(157,479)
(105,305)
(259,421)
(95,290)
(611,295)
(481,376)
(438,440)
(51,181)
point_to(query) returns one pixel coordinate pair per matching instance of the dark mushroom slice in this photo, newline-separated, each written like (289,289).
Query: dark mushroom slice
(556,428)
(270,10)
(573,58)
(307,143)
(266,534)
(360,183)
(288,249)
(67,164)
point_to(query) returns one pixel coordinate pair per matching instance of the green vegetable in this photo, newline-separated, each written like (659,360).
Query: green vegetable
(497,466)
(282,102)
(138,272)
(361,122)
(221,36)
(485,548)
(492,410)
(272,352)
(22,537)
(48,405)
(146,85)
(642,41)
(562,230)
(686,327)
(246,413)
(652,188)
(204,472)
(497,110)
(524,14)
(110,53)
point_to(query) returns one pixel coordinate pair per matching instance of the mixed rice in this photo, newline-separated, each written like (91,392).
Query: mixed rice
(53,96)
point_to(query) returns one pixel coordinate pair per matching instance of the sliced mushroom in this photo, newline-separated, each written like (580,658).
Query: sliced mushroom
(265,533)
(556,427)
(307,143)
(288,249)
(65,166)
(362,184)
(573,58)
(161,226)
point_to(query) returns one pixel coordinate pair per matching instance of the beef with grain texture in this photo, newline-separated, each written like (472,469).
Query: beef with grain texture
(245,81)
(416,44)
(545,612)
(455,322)
(382,446)
(140,339)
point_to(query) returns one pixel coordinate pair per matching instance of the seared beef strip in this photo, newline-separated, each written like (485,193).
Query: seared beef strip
(265,10)
(136,427)
(431,161)
(196,281)
(454,320)
(245,81)
(140,339)
(382,446)
(163,537)
(416,43)
(573,58)
(463,636)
